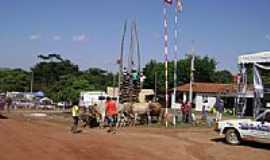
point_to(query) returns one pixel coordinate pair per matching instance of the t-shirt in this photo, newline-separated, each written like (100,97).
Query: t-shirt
(111,108)
(75,111)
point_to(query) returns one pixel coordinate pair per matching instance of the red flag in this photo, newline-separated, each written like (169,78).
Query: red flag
(168,1)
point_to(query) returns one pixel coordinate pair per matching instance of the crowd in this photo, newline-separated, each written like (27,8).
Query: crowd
(110,115)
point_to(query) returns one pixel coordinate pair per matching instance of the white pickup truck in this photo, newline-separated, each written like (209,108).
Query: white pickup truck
(246,129)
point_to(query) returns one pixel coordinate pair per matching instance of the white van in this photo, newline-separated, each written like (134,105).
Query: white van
(89,98)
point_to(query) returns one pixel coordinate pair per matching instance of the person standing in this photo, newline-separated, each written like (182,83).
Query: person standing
(111,114)
(219,108)
(183,105)
(8,103)
(75,115)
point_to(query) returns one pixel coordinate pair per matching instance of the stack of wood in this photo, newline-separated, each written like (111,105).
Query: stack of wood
(129,88)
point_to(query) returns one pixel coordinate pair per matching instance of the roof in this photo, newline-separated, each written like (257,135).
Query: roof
(209,88)
(259,57)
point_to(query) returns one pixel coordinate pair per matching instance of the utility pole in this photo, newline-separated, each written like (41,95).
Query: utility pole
(32,81)
(191,75)
(155,86)
(114,85)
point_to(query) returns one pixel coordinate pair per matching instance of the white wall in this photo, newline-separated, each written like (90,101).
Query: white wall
(199,101)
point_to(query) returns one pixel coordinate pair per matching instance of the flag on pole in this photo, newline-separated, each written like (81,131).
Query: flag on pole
(168,1)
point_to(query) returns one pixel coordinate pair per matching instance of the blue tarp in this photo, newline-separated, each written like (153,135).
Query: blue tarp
(39,94)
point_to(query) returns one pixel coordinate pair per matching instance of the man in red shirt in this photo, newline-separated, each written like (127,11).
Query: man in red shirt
(111,114)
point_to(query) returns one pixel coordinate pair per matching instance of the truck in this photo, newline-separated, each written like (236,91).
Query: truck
(238,130)
(89,98)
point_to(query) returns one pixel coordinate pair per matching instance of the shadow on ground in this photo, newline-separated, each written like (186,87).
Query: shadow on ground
(253,144)
(3,117)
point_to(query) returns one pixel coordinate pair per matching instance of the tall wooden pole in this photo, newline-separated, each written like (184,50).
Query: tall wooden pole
(120,61)
(166,59)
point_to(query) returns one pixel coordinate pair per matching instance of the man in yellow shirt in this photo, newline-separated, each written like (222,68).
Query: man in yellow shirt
(75,115)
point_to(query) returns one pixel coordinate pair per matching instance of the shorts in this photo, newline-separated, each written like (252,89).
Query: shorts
(111,120)
(75,120)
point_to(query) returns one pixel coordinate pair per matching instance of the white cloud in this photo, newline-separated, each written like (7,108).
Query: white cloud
(57,38)
(34,37)
(79,38)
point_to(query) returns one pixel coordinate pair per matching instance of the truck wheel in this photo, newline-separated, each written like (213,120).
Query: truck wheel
(232,137)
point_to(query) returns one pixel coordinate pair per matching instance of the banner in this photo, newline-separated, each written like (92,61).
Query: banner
(257,80)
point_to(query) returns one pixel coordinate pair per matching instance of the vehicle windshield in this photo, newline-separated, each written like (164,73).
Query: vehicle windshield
(264,116)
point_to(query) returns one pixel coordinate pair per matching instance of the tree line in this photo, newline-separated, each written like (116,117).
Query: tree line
(62,80)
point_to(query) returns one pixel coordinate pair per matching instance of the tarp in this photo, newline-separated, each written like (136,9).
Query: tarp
(39,94)
(259,57)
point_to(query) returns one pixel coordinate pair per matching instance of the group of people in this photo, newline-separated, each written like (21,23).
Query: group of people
(186,109)
(218,109)
(110,115)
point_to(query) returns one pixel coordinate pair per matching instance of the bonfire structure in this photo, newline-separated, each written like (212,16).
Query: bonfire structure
(130,73)
(260,64)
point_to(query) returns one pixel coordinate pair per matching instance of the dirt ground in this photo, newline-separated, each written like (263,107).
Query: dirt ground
(24,138)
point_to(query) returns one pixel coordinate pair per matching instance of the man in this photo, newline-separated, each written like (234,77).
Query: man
(75,115)
(219,108)
(111,114)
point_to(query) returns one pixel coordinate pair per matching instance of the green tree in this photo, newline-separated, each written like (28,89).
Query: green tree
(204,70)
(47,73)
(223,76)
(14,80)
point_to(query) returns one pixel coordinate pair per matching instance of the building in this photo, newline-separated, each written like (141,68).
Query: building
(206,94)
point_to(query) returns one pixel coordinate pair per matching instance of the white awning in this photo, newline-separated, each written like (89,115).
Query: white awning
(260,57)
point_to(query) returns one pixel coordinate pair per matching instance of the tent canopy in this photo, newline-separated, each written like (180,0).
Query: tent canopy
(39,94)
(259,57)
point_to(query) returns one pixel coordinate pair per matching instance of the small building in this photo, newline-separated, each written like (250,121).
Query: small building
(206,94)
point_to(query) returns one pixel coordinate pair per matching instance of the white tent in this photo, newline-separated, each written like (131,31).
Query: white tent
(259,57)
(257,60)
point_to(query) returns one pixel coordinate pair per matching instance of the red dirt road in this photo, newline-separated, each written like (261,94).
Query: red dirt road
(43,140)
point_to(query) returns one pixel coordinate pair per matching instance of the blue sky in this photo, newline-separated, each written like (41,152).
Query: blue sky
(88,32)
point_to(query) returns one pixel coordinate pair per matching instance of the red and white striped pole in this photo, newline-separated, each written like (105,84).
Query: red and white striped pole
(166,52)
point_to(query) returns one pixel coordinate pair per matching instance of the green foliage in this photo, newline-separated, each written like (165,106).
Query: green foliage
(223,76)
(14,80)
(205,71)
(59,78)
(62,80)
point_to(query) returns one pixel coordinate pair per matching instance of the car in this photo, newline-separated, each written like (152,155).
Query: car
(46,106)
(238,130)
(23,104)
(64,104)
